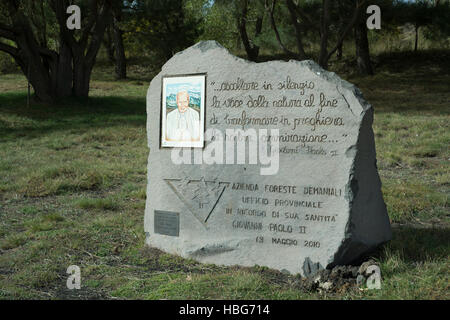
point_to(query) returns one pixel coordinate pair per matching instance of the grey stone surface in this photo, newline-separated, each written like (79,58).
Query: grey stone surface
(329,209)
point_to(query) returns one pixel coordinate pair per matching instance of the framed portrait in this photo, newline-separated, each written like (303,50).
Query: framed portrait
(183,111)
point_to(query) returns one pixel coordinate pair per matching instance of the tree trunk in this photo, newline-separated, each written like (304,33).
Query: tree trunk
(64,72)
(54,74)
(251,50)
(82,70)
(238,42)
(109,44)
(298,32)
(30,61)
(362,49)
(325,22)
(84,55)
(49,73)
(339,52)
(121,61)
(417,38)
(341,28)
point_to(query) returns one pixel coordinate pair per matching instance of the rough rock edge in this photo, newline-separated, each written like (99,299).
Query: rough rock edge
(351,245)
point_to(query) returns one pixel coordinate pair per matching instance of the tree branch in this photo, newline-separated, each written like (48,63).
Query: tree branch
(6,27)
(307,19)
(298,33)
(271,9)
(9,49)
(93,17)
(99,31)
(47,52)
(349,27)
(7,34)
(13,5)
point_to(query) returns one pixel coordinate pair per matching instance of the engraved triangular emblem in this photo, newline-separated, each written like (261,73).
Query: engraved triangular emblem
(200,196)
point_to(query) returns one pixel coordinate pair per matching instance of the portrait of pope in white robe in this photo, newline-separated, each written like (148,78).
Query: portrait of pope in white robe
(183,100)
(183,123)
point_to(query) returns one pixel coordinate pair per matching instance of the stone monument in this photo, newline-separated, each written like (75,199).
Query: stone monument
(269,164)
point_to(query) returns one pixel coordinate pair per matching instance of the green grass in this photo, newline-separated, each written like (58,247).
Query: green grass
(99,204)
(73,179)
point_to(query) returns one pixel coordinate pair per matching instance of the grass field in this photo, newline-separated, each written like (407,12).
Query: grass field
(72,192)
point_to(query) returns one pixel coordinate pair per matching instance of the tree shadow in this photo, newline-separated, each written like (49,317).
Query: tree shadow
(416,244)
(67,115)
(401,62)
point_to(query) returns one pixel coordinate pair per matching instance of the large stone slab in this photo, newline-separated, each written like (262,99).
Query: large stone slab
(320,205)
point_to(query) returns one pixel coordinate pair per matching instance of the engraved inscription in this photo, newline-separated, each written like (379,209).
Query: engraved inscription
(293,218)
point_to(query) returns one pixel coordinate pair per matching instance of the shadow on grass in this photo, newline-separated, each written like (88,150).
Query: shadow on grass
(401,62)
(40,118)
(419,244)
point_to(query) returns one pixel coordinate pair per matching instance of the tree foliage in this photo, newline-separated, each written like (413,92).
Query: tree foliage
(161,27)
